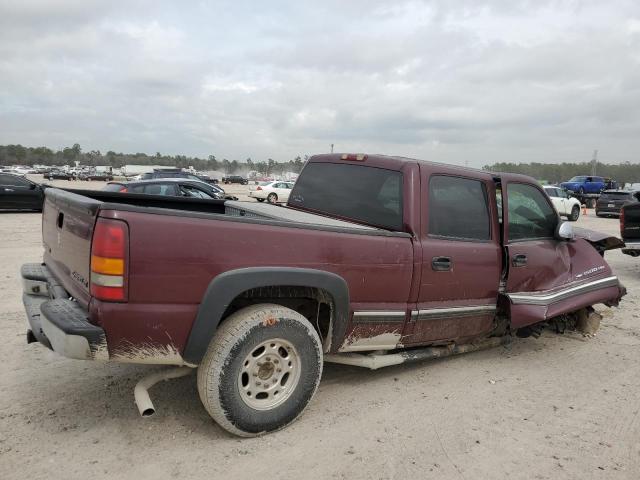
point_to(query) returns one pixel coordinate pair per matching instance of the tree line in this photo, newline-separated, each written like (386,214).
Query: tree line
(20,155)
(626,172)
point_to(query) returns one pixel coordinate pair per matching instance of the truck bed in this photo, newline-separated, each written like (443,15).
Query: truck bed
(232,208)
(177,246)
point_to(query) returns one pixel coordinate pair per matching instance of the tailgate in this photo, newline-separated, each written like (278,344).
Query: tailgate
(67,226)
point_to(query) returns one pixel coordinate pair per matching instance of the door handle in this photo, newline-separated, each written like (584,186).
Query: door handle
(519,260)
(441,264)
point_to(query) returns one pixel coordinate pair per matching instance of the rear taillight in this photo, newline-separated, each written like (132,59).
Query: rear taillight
(259,188)
(622,222)
(123,190)
(109,250)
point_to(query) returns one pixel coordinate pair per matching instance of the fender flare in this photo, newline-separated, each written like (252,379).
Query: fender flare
(224,288)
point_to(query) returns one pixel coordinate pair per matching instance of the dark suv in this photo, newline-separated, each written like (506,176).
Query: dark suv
(611,202)
(235,179)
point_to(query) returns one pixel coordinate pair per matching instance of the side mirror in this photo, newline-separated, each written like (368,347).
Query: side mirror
(564,231)
(32,186)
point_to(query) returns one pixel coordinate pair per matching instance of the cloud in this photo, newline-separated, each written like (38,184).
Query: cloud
(463,82)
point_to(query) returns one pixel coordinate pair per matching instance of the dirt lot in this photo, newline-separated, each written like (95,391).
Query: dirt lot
(556,407)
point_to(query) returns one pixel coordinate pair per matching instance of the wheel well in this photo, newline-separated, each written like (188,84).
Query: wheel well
(315,304)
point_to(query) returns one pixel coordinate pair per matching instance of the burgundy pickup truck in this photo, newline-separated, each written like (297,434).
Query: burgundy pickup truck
(374,261)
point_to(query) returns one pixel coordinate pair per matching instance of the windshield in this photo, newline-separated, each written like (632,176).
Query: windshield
(364,194)
(578,179)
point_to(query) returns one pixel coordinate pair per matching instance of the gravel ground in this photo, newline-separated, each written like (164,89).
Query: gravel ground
(561,406)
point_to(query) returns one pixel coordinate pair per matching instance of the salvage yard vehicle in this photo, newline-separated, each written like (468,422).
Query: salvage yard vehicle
(612,201)
(585,184)
(173,187)
(59,175)
(19,193)
(235,179)
(565,205)
(630,228)
(272,192)
(102,177)
(374,261)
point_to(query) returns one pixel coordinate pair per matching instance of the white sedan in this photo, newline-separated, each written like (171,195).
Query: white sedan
(272,192)
(566,205)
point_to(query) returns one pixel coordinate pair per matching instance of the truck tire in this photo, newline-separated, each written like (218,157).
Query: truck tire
(261,370)
(272,198)
(575,213)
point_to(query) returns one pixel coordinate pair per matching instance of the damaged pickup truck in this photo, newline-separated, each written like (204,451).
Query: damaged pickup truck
(374,261)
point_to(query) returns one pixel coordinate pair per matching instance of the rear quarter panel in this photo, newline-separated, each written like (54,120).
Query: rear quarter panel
(173,258)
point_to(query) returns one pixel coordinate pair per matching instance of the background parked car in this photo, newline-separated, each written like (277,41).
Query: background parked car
(105,177)
(208,179)
(272,192)
(587,184)
(235,179)
(612,201)
(175,187)
(18,193)
(168,173)
(566,205)
(59,175)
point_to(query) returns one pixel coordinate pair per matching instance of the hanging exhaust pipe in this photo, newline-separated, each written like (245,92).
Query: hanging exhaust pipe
(141,391)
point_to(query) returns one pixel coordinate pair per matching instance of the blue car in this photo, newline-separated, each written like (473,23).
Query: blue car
(583,184)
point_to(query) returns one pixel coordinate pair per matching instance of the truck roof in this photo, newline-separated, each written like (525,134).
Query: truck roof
(397,163)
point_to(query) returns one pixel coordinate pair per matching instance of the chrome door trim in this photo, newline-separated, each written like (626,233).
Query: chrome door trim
(452,312)
(549,298)
(379,316)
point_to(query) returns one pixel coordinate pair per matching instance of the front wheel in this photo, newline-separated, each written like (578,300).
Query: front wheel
(272,198)
(261,369)
(575,213)
(260,199)
(581,191)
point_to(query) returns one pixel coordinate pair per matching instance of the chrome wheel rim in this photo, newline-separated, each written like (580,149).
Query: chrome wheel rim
(269,374)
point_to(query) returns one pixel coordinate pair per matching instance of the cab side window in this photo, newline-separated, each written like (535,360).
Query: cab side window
(458,209)
(530,214)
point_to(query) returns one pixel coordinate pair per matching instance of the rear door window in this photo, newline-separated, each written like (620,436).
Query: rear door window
(458,209)
(364,194)
(160,189)
(530,215)
(191,191)
(13,181)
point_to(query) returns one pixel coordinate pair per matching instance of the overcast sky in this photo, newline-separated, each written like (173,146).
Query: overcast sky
(455,81)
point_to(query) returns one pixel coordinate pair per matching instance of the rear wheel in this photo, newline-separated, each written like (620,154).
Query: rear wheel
(272,198)
(575,213)
(261,370)
(260,199)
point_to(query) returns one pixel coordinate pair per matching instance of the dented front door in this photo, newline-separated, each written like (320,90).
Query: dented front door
(546,276)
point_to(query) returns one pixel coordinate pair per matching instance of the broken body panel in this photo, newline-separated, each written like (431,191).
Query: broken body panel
(404,288)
